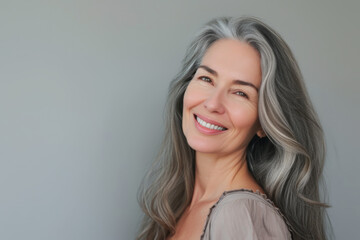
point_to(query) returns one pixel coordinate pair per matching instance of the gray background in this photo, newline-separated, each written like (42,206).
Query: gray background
(82,90)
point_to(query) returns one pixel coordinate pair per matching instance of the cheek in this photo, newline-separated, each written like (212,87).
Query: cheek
(192,97)
(188,102)
(244,117)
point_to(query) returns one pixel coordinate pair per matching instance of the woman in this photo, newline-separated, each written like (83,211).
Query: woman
(243,150)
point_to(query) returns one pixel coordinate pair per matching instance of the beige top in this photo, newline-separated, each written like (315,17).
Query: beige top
(243,214)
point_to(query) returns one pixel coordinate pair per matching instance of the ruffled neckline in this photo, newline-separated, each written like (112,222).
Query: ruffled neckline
(258,193)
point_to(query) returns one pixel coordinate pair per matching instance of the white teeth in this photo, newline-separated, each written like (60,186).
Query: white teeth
(208,125)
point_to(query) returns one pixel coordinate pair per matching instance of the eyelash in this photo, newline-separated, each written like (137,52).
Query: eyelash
(241,94)
(208,80)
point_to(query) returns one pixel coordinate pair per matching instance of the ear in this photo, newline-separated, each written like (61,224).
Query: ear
(261,133)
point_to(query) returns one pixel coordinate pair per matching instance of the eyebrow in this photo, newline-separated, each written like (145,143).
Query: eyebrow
(237,82)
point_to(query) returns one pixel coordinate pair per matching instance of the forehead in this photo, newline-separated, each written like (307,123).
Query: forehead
(234,59)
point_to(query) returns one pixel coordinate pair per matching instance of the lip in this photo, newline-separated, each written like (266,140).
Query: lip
(205,130)
(209,120)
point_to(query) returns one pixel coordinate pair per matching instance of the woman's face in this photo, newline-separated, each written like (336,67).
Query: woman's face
(220,111)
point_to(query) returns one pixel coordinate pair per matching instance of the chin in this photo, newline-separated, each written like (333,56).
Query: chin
(200,145)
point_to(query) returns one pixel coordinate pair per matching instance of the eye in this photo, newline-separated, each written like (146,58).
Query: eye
(241,94)
(205,79)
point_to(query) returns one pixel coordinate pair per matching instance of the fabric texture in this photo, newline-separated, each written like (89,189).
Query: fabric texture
(243,214)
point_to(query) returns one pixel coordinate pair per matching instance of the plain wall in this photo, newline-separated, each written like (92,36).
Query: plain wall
(82,91)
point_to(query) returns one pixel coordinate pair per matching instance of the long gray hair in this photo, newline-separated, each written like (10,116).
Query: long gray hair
(288,163)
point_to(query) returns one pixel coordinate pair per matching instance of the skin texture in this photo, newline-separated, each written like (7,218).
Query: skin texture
(223,91)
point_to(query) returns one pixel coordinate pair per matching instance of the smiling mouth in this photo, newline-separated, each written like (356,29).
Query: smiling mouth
(209,125)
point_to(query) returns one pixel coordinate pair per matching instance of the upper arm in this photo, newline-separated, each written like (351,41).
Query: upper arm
(247,219)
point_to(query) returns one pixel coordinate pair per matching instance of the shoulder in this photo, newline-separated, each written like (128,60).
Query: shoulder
(245,215)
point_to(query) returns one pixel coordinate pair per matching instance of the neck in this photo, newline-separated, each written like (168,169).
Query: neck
(214,175)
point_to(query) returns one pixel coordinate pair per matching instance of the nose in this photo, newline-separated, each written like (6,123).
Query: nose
(214,102)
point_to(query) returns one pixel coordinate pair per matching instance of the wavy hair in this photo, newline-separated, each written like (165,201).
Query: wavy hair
(288,163)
